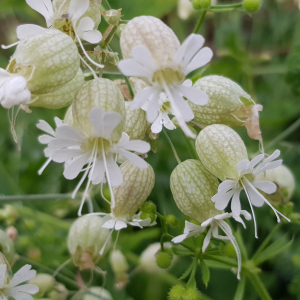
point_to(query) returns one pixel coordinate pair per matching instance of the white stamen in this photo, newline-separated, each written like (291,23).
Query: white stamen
(41,170)
(10,46)
(104,246)
(89,67)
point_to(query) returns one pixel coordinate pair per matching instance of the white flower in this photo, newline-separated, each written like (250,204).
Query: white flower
(98,153)
(184,9)
(11,288)
(114,223)
(214,223)
(13,90)
(230,189)
(84,28)
(168,78)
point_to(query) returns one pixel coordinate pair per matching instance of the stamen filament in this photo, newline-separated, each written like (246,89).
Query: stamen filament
(104,246)
(10,46)
(41,170)
(90,68)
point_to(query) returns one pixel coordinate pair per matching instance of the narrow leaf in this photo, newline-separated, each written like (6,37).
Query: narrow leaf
(205,271)
(239,294)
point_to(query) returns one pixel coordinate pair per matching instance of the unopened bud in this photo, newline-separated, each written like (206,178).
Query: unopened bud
(7,247)
(118,262)
(172,221)
(148,215)
(201,4)
(220,149)
(12,233)
(285,181)
(177,292)
(112,16)
(45,282)
(251,5)
(149,207)
(86,238)
(193,186)
(191,294)
(97,293)
(164,260)
(228,250)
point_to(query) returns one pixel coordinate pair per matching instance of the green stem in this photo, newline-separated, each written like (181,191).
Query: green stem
(172,147)
(259,286)
(234,5)
(108,39)
(200,20)
(266,241)
(107,5)
(34,197)
(129,86)
(190,145)
(193,273)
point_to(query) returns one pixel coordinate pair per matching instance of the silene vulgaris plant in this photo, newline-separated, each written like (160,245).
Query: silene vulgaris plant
(109,134)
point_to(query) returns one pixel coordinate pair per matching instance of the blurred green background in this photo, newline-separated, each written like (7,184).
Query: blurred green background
(261,52)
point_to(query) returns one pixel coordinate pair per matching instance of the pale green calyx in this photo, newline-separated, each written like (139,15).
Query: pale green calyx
(98,93)
(7,247)
(61,97)
(86,238)
(134,191)
(47,61)
(226,99)
(112,16)
(220,149)
(136,124)
(45,282)
(193,186)
(285,182)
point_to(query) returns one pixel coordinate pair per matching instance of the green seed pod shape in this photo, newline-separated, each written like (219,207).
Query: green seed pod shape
(136,124)
(86,238)
(225,98)
(48,61)
(134,191)
(152,33)
(193,187)
(93,11)
(7,247)
(61,97)
(220,148)
(96,93)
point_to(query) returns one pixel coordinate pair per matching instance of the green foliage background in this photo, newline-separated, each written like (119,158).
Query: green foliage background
(261,52)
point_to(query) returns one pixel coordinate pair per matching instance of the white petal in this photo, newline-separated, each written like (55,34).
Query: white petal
(255,197)
(4,74)
(93,36)
(265,186)
(104,122)
(43,125)
(167,122)
(62,155)
(202,58)
(180,238)
(110,224)
(153,109)
(188,83)
(194,95)
(45,139)
(182,106)
(142,56)
(243,166)
(28,30)
(135,159)
(222,199)
(114,172)
(227,185)
(207,240)
(74,168)
(129,67)
(141,147)
(120,225)
(142,97)
(68,132)
(24,274)
(207,222)
(44,7)
(246,215)
(77,8)
(20,296)
(85,24)
(192,44)
(236,203)
(58,122)
(157,125)
(27,288)
(255,161)
(269,166)
(99,171)
(62,143)
(191,227)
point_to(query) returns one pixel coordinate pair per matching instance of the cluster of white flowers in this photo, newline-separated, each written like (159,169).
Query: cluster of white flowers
(96,134)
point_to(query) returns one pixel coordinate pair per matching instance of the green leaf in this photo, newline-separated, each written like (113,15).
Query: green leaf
(181,251)
(277,247)
(239,294)
(205,271)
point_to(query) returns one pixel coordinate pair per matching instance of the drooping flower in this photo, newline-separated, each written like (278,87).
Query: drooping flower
(10,287)
(164,75)
(192,187)
(129,196)
(224,154)
(97,152)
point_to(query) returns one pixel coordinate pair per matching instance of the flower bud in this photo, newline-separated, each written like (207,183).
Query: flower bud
(45,282)
(7,247)
(86,238)
(285,181)
(193,187)
(61,97)
(164,260)
(220,148)
(251,6)
(201,4)
(96,93)
(228,250)
(97,293)
(184,9)
(136,124)
(177,292)
(191,294)
(12,233)
(148,207)
(148,215)
(172,221)
(120,267)
(148,258)
(152,33)
(47,61)
(134,191)
(112,16)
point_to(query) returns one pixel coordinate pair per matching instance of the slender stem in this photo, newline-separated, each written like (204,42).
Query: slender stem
(107,4)
(108,39)
(34,197)
(172,147)
(259,286)
(200,20)
(284,134)
(129,86)
(234,5)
